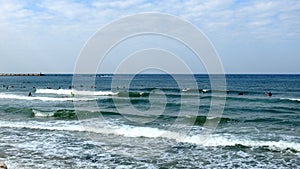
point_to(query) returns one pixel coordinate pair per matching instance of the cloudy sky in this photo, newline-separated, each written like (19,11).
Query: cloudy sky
(255,36)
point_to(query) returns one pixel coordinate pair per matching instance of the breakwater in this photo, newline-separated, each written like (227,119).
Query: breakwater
(22,74)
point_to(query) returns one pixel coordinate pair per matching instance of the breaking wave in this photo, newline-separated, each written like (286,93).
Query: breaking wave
(291,99)
(76,92)
(149,132)
(23,97)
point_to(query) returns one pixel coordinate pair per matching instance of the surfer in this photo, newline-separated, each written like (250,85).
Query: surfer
(268,94)
(185,89)
(72,94)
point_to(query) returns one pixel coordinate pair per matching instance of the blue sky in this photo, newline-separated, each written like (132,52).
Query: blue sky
(257,36)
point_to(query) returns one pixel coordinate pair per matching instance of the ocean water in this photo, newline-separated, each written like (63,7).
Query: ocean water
(153,123)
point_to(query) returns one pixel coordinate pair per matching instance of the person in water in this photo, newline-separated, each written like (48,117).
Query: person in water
(268,94)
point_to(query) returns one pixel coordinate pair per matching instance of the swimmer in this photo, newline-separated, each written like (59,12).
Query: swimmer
(268,94)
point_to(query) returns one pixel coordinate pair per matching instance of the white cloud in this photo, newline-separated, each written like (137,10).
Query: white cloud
(119,4)
(12,10)
(223,16)
(47,22)
(64,8)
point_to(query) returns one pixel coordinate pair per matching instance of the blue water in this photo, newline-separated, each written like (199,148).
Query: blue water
(155,122)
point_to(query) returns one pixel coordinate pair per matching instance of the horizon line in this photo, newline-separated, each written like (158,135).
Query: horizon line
(106,73)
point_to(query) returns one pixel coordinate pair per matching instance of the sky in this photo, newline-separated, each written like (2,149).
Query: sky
(250,36)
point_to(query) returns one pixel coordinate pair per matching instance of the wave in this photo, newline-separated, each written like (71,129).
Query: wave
(274,109)
(132,94)
(291,99)
(221,141)
(17,110)
(69,114)
(247,96)
(57,126)
(263,99)
(37,113)
(58,114)
(149,132)
(76,92)
(22,97)
(200,120)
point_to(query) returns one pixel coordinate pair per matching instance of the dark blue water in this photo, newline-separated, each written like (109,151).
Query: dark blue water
(156,121)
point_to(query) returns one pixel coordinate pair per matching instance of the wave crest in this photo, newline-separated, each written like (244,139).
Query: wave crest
(150,132)
(22,97)
(76,92)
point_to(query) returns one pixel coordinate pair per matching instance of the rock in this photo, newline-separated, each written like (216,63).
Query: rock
(2,165)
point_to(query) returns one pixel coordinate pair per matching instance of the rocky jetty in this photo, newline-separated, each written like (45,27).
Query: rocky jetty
(22,74)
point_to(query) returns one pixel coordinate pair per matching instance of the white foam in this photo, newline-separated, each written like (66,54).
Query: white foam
(185,89)
(215,141)
(22,97)
(76,92)
(291,99)
(205,90)
(42,114)
(133,131)
(54,91)
(122,130)
(43,126)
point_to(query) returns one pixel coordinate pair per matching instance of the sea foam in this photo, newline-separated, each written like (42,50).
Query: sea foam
(149,132)
(291,99)
(76,92)
(22,97)
(42,114)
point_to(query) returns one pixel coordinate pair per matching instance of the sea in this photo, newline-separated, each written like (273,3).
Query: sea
(149,121)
